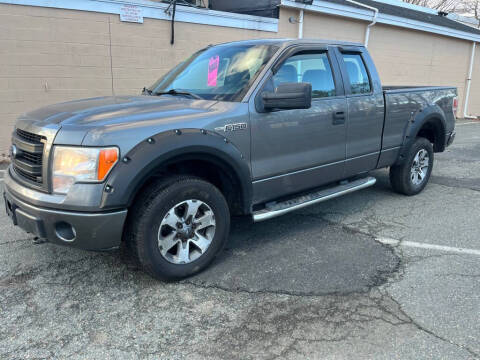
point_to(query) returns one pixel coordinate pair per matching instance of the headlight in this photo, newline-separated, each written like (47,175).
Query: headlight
(80,164)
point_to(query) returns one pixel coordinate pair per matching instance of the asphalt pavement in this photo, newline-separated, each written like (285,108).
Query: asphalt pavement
(372,275)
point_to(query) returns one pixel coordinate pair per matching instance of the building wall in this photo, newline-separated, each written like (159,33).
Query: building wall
(408,57)
(141,53)
(403,56)
(285,28)
(52,55)
(48,56)
(332,28)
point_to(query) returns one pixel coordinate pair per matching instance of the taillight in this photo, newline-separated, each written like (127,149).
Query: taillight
(455,105)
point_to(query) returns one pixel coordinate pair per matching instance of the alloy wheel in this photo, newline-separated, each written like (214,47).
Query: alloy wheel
(419,169)
(186,231)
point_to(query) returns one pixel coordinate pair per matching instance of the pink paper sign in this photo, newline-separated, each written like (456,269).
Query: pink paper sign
(213,70)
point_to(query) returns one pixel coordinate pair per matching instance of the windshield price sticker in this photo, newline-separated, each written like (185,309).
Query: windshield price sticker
(213,70)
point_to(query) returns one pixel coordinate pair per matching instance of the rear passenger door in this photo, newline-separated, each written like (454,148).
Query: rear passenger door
(365,105)
(294,150)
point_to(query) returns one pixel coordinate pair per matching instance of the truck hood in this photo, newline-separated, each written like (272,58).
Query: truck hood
(104,111)
(124,121)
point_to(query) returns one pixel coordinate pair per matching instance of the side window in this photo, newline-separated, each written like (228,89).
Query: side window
(311,68)
(357,74)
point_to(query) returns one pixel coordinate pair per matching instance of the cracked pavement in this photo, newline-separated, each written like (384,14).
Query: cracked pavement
(314,284)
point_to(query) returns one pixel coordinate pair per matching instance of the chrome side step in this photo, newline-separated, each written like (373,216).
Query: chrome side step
(284,207)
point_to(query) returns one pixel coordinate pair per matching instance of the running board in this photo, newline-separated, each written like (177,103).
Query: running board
(316,197)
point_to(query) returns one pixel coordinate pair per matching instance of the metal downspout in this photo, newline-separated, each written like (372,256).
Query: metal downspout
(469,83)
(374,19)
(300,24)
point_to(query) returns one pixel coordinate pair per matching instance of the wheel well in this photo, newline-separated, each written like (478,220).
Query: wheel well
(212,170)
(433,131)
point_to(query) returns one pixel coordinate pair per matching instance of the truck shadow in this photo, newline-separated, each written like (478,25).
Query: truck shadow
(303,253)
(298,253)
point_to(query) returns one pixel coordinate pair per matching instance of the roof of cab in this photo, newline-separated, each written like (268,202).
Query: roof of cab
(288,42)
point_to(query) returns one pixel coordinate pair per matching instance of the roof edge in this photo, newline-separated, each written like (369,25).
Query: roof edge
(330,8)
(156,10)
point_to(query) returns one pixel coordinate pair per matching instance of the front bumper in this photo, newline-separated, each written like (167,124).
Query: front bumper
(85,230)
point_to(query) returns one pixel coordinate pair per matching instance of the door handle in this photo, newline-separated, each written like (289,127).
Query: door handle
(338,118)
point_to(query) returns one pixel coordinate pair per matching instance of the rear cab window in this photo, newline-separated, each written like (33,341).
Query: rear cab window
(358,77)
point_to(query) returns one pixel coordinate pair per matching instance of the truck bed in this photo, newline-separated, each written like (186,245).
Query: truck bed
(410,88)
(404,103)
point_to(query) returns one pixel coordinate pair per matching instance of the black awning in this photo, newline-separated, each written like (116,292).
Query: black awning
(265,8)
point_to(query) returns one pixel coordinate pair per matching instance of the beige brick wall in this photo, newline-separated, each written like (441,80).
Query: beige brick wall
(332,28)
(285,28)
(48,56)
(142,52)
(408,57)
(53,55)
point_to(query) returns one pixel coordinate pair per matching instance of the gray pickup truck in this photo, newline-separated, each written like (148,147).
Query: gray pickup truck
(256,128)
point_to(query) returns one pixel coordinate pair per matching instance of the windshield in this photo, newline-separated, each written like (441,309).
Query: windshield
(223,72)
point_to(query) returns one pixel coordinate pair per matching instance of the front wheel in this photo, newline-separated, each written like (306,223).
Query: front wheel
(178,227)
(411,177)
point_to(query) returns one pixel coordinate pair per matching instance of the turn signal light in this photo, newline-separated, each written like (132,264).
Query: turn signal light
(106,159)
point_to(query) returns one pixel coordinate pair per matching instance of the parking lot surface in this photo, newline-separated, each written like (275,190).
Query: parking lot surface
(372,275)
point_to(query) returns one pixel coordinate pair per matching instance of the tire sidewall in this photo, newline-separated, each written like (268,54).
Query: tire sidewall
(175,194)
(419,144)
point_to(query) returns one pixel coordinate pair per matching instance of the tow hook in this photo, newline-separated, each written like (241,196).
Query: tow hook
(38,241)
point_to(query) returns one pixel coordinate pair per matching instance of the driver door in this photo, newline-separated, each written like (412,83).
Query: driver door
(294,150)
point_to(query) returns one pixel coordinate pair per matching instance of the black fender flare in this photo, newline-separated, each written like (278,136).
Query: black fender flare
(135,167)
(435,116)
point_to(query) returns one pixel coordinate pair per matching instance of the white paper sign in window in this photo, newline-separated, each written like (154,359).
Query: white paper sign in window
(131,13)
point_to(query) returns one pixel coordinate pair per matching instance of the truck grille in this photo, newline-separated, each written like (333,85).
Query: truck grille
(32,157)
(33,138)
(28,162)
(29,176)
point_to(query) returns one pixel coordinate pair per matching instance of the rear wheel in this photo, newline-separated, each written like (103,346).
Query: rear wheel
(411,177)
(178,227)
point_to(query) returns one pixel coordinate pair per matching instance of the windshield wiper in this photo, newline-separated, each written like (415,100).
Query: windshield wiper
(146,91)
(177,92)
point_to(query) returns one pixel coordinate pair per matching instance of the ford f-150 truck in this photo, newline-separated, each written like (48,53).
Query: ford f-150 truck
(256,128)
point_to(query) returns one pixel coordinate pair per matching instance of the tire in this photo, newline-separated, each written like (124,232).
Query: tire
(411,177)
(169,251)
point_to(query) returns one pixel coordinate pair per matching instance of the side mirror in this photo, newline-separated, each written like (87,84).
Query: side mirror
(289,96)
